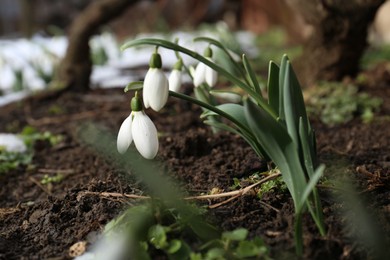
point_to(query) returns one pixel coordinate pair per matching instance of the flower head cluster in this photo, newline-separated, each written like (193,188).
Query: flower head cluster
(137,126)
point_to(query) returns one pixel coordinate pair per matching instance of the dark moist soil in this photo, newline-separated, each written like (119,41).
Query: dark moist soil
(43,221)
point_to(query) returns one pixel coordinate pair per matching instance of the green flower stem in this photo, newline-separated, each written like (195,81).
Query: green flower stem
(235,80)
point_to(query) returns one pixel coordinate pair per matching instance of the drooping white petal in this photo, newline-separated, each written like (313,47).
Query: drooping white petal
(175,79)
(156,89)
(145,135)
(211,76)
(124,135)
(200,73)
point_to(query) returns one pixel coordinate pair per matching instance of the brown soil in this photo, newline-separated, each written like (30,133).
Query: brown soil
(41,222)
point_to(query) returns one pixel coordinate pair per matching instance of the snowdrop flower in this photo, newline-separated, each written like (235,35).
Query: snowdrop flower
(138,127)
(205,74)
(12,143)
(175,78)
(156,88)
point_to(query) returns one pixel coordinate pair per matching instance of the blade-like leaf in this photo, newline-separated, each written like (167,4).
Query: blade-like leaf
(282,71)
(276,142)
(312,182)
(305,145)
(291,116)
(252,75)
(273,86)
(234,110)
(136,85)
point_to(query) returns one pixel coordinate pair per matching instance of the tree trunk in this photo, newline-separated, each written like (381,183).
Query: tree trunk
(339,37)
(76,67)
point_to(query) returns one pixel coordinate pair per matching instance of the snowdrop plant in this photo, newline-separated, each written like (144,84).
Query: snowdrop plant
(138,127)
(275,126)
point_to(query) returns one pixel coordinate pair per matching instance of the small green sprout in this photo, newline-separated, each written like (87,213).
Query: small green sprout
(46,179)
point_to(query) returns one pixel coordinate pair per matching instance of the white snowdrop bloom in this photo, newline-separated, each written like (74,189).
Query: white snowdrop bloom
(138,127)
(156,86)
(175,80)
(144,135)
(124,136)
(211,76)
(200,73)
(12,143)
(156,89)
(205,74)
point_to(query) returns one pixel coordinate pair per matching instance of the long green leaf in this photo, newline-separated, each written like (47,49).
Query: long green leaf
(305,145)
(312,182)
(252,75)
(282,71)
(234,110)
(273,86)
(135,85)
(289,107)
(276,142)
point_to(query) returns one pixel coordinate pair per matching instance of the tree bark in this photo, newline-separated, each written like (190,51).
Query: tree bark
(76,67)
(339,37)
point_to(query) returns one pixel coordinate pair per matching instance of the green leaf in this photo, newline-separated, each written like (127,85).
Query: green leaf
(179,250)
(313,182)
(238,234)
(249,249)
(174,246)
(157,236)
(294,105)
(273,86)
(277,143)
(136,85)
(252,75)
(306,147)
(215,253)
(282,72)
(234,110)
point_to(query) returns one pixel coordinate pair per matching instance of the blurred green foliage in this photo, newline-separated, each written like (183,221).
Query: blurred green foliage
(336,103)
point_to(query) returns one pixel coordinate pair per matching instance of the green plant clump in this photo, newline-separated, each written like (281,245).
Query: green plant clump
(275,126)
(335,103)
(12,160)
(159,230)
